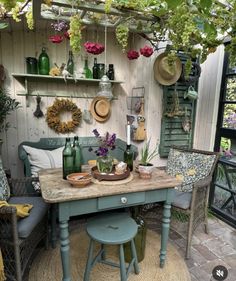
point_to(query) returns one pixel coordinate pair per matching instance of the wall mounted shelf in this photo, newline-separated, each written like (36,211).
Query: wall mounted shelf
(25,79)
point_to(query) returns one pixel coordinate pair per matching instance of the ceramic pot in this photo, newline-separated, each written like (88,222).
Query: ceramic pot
(105,164)
(145,172)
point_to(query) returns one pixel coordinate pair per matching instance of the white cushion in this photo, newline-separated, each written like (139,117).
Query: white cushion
(43,159)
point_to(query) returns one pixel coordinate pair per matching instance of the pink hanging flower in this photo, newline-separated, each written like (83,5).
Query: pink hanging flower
(94,48)
(146,51)
(132,55)
(56,39)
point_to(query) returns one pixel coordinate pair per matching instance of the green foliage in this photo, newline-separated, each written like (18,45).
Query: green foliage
(7,105)
(147,154)
(75,33)
(122,35)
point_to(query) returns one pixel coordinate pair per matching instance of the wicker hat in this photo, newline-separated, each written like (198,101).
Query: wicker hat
(164,73)
(100,109)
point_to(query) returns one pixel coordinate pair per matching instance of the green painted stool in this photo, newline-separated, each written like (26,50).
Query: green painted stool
(112,229)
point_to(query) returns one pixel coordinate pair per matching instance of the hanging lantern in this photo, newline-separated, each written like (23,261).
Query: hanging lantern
(105,88)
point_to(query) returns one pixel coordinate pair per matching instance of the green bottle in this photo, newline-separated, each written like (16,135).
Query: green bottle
(77,155)
(68,159)
(129,157)
(87,72)
(139,239)
(70,63)
(43,63)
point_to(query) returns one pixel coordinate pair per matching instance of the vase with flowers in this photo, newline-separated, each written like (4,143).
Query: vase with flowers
(106,144)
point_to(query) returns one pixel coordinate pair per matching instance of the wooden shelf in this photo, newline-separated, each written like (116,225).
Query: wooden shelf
(25,79)
(47,78)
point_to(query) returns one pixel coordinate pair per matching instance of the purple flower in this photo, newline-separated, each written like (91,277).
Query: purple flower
(106,143)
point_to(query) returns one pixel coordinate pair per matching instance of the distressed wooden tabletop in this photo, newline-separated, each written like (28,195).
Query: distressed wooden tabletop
(55,189)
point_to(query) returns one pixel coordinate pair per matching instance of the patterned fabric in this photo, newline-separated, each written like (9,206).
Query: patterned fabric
(4,186)
(189,167)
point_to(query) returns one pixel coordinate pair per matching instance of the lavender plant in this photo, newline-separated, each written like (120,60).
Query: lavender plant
(106,143)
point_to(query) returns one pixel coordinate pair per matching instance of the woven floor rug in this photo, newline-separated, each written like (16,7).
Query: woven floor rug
(47,264)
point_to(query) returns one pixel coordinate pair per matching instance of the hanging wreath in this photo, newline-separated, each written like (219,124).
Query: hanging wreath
(53,116)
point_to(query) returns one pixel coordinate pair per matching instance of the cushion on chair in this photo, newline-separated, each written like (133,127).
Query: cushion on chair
(4,186)
(182,199)
(190,167)
(43,159)
(40,208)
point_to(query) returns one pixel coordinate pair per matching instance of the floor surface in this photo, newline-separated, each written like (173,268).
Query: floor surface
(208,251)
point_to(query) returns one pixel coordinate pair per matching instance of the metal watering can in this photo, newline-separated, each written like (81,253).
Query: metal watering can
(191,93)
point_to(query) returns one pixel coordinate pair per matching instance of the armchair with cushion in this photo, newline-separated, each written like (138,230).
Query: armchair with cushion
(195,168)
(20,235)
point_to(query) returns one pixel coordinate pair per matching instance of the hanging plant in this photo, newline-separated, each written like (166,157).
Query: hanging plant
(132,55)
(94,48)
(53,116)
(29,19)
(146,51)
(75,33)
(122,35)
(56,39)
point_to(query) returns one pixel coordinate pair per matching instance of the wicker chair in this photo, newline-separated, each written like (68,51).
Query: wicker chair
(20,237)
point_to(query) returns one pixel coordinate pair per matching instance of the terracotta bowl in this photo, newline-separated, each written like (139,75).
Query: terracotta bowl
(79,179)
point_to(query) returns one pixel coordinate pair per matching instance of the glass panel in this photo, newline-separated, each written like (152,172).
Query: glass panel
(223,201)
(229,120)
(231,89)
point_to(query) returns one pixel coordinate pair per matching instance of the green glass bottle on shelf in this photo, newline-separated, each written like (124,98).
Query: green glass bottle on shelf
(140,238)
(70,63)
(43,63)
(87,72)
(77,155)
(68,159)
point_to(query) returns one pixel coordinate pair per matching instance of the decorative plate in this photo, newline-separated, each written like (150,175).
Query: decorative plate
(109,177)
(79,179)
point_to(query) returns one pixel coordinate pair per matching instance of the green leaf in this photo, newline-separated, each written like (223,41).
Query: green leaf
(160,12)
(172,4)
(209,28)
(3,25)
(205,4)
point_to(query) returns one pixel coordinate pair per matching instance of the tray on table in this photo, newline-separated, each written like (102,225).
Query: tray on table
(109,177)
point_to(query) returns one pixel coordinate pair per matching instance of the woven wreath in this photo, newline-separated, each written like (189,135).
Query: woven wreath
(53,116)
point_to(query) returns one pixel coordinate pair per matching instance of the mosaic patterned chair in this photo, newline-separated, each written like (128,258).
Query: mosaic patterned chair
(195,168)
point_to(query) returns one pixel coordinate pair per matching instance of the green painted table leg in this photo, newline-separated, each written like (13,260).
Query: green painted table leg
(54,225)
(165,232)
(65,249)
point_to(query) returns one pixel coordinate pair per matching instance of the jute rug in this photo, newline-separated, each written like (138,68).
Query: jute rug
(47,264)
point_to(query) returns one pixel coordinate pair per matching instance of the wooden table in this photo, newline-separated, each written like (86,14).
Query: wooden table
(96,197)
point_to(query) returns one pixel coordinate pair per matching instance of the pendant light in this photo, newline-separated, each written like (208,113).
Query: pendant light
(105,88)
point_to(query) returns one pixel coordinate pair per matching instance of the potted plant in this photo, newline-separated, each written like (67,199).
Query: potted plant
(145,168)
(7,105)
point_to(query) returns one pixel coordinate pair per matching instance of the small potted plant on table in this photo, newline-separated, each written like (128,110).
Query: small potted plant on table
(145,168)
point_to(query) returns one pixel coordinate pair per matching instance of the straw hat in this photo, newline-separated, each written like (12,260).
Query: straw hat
(164,73)
(100,109)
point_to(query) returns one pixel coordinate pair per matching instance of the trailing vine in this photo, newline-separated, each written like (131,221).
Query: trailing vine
(75,33)
(53,116)
(122,35)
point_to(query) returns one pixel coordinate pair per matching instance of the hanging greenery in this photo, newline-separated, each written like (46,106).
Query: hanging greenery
(75,33)
(196,27)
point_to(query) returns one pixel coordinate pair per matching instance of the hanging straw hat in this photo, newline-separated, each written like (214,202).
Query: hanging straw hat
(100,109)
(164,73)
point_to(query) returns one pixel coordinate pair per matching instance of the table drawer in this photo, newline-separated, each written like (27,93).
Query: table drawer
(121,200)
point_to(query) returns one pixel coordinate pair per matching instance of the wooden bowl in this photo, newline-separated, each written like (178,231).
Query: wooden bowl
(79,179)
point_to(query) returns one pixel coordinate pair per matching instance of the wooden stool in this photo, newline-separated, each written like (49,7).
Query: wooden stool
(112,229)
